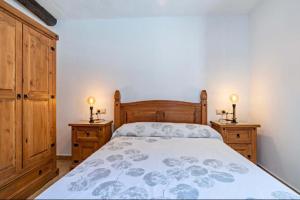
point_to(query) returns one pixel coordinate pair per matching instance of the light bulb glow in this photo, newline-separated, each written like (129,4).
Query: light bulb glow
(91,101)
(234,98)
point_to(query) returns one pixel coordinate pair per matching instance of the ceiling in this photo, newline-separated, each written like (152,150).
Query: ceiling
(98,9)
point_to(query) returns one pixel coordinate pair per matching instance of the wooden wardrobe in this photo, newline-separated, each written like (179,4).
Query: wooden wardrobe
(27,104)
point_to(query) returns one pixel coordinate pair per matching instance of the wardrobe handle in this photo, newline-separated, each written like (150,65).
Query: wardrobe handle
(52,97)
(40,172)
(53,144)
(19,96)
(25,96)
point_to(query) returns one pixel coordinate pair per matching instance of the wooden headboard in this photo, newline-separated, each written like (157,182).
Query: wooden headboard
(160,111)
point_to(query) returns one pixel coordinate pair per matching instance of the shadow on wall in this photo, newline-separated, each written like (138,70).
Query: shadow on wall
(262,152)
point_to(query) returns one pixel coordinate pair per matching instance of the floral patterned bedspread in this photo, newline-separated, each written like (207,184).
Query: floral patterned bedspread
(160,167)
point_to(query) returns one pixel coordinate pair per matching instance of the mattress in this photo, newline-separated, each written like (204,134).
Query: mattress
(164,167)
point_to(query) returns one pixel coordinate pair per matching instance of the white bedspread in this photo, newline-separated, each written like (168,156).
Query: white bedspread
(167,168)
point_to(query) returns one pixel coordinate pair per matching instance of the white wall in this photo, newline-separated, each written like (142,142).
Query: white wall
(144,58)
(149,58)
(275,39)
(227,69)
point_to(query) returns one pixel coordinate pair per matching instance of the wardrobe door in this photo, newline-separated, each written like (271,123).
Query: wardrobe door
(10,101)
(36,104)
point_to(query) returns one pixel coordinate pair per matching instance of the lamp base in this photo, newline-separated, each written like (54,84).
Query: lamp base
(233,114)
(233,121)
(91,116)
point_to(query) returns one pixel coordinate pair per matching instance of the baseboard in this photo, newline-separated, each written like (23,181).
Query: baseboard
(63,157)
(279,179)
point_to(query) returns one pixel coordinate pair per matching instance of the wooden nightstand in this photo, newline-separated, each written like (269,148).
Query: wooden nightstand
(241,137)
(88,138)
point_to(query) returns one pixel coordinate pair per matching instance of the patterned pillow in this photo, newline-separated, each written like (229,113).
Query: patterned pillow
(161,129)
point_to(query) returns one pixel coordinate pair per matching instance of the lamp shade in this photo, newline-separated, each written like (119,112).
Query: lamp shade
(234,98)
(91,101)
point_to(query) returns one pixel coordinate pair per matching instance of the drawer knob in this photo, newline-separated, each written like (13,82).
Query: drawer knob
(76,145)
(76,161)
(238,135)
(40,172)
(249,156)
(87,134)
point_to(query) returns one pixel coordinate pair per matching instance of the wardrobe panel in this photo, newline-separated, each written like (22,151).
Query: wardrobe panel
(10,102)
(36,59)
(36,131)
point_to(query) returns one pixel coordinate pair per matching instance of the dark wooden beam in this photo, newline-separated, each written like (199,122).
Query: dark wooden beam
(39,11)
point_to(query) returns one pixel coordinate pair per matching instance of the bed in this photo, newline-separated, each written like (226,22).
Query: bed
(165,150)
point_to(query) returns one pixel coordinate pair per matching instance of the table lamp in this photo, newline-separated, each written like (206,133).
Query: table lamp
(91,101)
(234,98)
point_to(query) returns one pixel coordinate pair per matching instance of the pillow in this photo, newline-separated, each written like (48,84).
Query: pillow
(162,129)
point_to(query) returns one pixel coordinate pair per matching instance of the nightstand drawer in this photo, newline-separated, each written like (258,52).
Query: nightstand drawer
(238,136)
(244,149)
(87,134)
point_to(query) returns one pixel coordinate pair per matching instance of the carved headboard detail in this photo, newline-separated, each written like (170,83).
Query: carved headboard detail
(160,111)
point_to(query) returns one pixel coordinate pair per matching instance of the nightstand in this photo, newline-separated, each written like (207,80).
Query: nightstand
(88,138)
(241,137)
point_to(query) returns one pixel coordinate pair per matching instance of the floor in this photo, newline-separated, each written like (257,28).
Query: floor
(64,167)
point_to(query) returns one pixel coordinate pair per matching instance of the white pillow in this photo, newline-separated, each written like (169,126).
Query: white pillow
(162,129)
